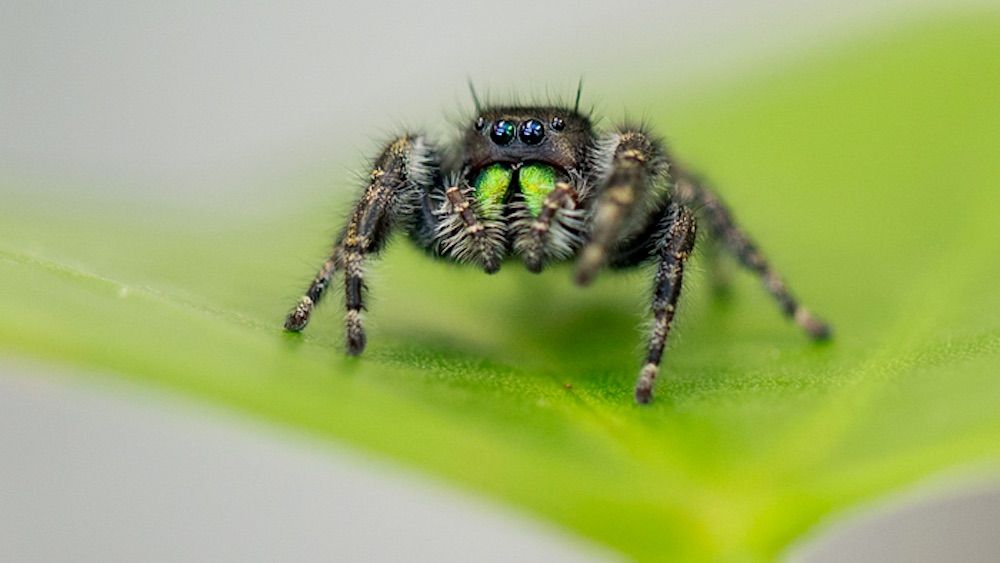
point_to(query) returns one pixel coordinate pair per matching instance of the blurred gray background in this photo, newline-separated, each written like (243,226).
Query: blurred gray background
(191,103)
(194,101)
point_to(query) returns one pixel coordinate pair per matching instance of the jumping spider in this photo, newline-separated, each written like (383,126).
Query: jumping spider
(539,183)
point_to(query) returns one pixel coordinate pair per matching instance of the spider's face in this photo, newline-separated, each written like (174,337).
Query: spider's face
(517,156)
(516,136)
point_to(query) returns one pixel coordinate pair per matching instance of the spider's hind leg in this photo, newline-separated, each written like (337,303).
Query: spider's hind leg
(728,234)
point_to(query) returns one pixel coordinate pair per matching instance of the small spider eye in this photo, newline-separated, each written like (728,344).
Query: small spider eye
(502,132)
(532,132)
(558,124)
(480,123)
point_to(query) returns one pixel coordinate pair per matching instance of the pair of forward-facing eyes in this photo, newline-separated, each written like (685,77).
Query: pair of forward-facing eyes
(531,131)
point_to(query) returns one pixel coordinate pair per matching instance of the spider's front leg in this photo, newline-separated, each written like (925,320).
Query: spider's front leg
(631,163)
(674,243)
(403,172)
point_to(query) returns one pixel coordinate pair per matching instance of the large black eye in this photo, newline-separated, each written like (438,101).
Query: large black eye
(532,132)
(502,132)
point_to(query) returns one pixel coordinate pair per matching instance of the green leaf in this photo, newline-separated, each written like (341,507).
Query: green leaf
(868,175)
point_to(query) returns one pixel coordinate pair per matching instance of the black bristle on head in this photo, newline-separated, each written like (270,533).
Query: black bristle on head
(475,97)
(579,92)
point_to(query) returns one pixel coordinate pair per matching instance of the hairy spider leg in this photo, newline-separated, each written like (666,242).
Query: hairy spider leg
(401,173)
(298,318)
(635,161)
(724,229)
(673,248)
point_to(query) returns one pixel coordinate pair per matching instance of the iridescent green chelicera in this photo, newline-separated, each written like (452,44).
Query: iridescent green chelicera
(491,188)
(536,181)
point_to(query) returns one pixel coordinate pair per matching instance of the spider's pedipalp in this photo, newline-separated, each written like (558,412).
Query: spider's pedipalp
(555,233)
(465,232)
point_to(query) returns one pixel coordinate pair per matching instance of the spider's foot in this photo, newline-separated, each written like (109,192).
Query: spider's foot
(356,339)
(814,327)
(299,317)
(644,386)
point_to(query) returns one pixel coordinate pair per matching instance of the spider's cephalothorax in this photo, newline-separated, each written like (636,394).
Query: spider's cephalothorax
(540,184)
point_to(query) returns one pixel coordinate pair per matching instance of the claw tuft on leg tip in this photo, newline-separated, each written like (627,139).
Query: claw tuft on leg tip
(644,387)
(643,395)
(821,333)
(293,324)
(355,346)
(356,338)
(299,317)
(815,328)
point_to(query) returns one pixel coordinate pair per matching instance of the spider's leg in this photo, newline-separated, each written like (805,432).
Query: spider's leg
(725,230)
(631,162)
(298,318)
(674,244)
(402,172)
(555,233)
